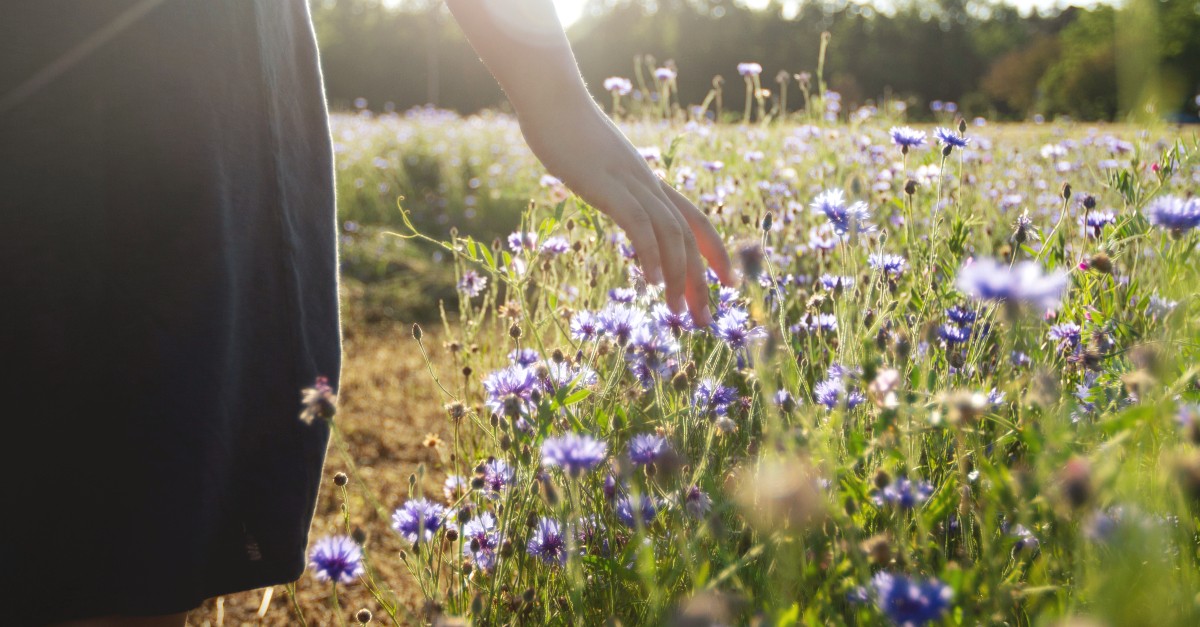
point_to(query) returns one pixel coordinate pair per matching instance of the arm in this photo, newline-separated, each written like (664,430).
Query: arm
(524,46)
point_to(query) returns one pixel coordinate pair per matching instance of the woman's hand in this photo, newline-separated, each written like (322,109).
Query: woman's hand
(578,144)
(523,44)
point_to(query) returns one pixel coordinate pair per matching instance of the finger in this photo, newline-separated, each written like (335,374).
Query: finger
(620,205)
(669,231)
(695,290)
(707,238)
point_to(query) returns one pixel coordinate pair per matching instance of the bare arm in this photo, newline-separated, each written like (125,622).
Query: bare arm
(524,46)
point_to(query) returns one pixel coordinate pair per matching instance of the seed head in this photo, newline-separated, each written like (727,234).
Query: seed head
(340,480)
(363,616)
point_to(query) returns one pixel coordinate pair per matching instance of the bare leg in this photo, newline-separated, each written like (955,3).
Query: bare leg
(166,620)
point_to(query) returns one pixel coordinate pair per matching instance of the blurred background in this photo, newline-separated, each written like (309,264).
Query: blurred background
(1136,59)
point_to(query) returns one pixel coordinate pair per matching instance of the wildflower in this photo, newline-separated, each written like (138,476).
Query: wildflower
(1173,213)
(731,327)
(910,602)
(951,139)
(631,513)
(671,322)
(696,502)
(563,375)
(785,400)
(712,398)
(907,138)
(472,284)
(510,390)
(988,279)
(497,475)
(749,69)
(548,542)
(556,245)
(830,392)
(844,219)
(481,539)
(833,283)
(319,401)
(664,74)
(903,493)
(960,315)
(646,448)
(337,559)
(953,334)
(455,487)
(620,321)
(1066,334)
(585,326)
(618,85)
(519,241)
(418,519)
(523,357)
(1026,543)
(891,265)
(574,453)
(883,388)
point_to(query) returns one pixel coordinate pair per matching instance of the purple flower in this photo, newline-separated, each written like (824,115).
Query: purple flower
(712,398)
(620,321)
(987,279)
(732,325)
(1173,213)
(418,519)
(961,315)
(574,453)
(832,390)
(585,326)
(907,138)
(630,513)
(522,241)
(891,265)
(510,390)
(954,334)
(664,74)
(523,357)
(472,283)
(1066,334)
(670,322)
(948,137)
(1095,221)
(548,542)
(619,86)
(337,559)
(647,448)
(844,219)
(555,246)
(910,602)
(497,474)
(832,283)
(696,502)
(480,540)
(749,69)
(622,295)
(903,493)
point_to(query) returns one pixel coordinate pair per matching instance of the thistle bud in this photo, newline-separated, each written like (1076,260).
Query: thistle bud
(514,332)
(341,479)
(767,221)
(416,331)
(962,126)
(1066,191)
(363,616)
(910,187)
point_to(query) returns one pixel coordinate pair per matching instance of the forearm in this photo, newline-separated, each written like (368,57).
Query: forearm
(524,46)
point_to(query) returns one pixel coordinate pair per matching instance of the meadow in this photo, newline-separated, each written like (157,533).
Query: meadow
(956,385)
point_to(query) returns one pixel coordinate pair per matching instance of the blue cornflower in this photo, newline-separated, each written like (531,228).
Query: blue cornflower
(832,283)
(1066,334)
(907,138)
(337,559)
(472,283)
(995,397)
(646,448)
(556,245)
(664,74)
(629,513)
(949,138)
(574,453)
(844,219)
(1173,213)
(548,542)
(623,295)
(712,398)
(831,391)
(618,85)
(903,493)
(519,241)
(909,602)
(418,519)
(497,474)
(749,69)
(671,322)
(988,279)
(696,502)
(480,540)
(1095,221)
(585,326)
(785,400)
(731,327)
(961,315)
(620,321)
(954,334)
(891,265)
(510,390)
(523,356)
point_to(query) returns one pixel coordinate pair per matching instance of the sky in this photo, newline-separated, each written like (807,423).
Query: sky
(569,11)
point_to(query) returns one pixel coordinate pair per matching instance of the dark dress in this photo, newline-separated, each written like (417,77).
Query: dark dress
(169,254)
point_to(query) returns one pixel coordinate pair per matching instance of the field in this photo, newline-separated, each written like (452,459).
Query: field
(970,399)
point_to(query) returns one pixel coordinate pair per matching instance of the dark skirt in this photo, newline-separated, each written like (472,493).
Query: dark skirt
(166,201)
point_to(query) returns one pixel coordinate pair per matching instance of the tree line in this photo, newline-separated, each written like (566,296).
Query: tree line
(1100,63)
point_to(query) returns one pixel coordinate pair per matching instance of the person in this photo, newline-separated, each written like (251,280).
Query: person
(167,182)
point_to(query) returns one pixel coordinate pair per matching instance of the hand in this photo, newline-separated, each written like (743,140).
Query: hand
(579,144)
